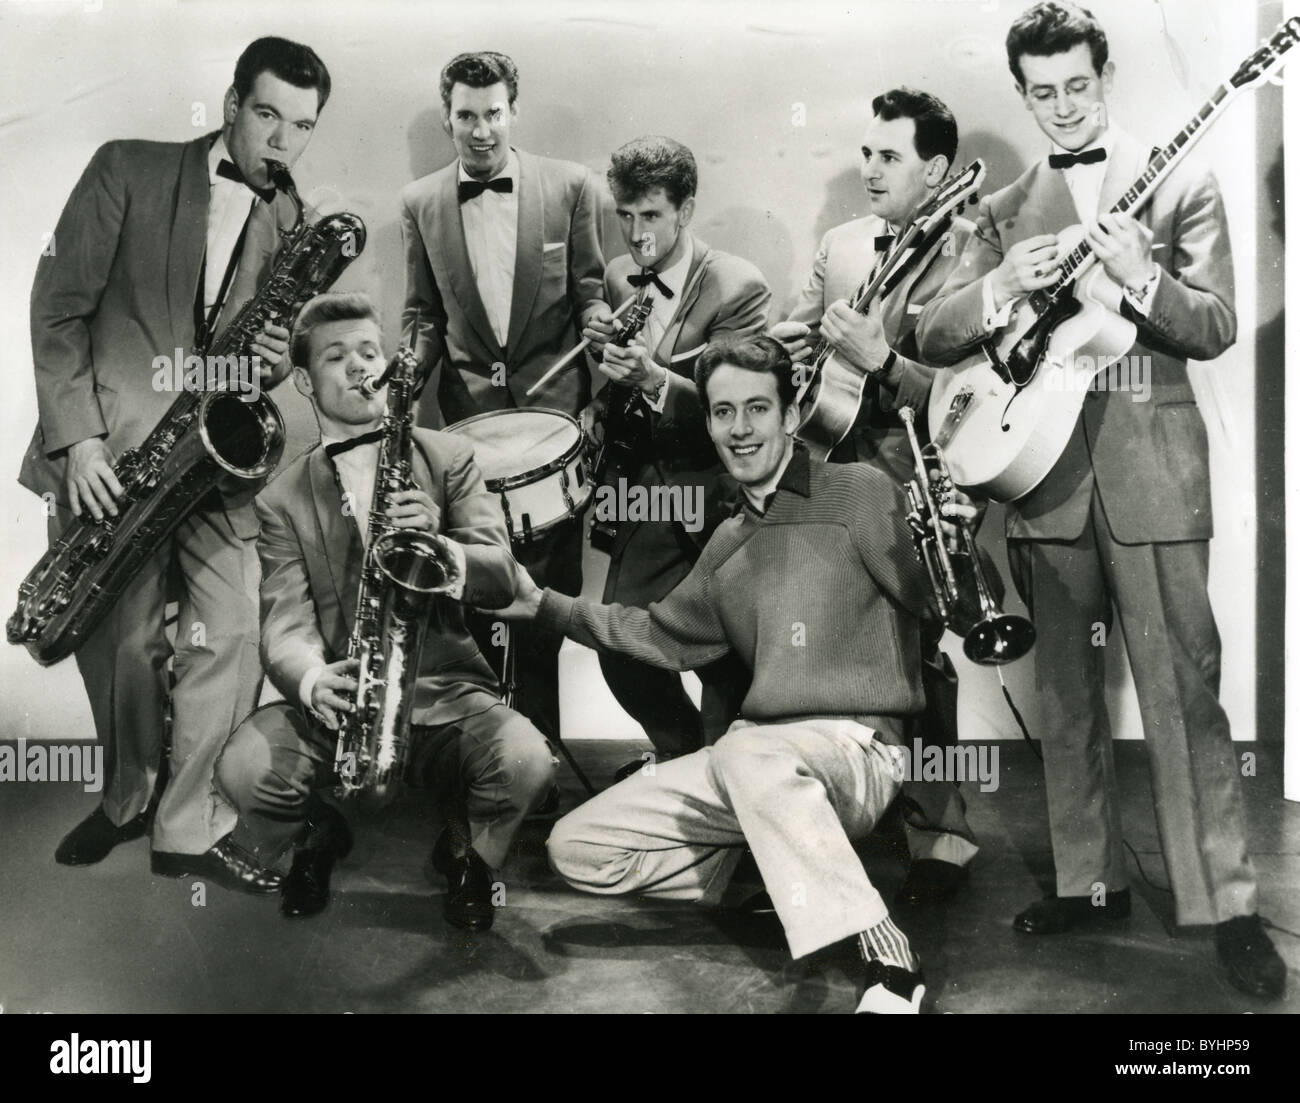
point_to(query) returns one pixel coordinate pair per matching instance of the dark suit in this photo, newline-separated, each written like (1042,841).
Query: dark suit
(844,259)
(312,555)
(117,290)
(558,265)
(723,296)
(1124,519)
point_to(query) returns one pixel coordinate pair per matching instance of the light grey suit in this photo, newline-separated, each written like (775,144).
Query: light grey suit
(1124,518)
(117,289)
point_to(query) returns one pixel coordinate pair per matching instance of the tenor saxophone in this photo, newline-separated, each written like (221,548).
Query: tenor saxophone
(403,574)
(208,438)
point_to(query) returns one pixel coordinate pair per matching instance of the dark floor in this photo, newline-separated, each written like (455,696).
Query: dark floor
(113,938)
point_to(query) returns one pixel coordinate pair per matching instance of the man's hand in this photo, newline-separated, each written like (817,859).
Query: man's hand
(632,366)
(794,338)
(598,327)
(857,337)
(1123,248)
(1029,265)
(270,346)
(414,509)
(328,694)
(91,483)
(964,511)
(528,598)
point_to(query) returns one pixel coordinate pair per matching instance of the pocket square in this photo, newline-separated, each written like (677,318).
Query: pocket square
(915,308)
(548,246)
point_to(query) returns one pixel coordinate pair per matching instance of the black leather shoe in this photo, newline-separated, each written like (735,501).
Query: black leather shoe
(306,890)
(225,863)
(548,808)
(91,840)
(891,990)
(1254,966)
(1056,914)
(930,883)
(469,893)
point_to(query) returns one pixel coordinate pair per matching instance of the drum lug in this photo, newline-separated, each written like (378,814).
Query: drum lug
(569,503)
(505,508)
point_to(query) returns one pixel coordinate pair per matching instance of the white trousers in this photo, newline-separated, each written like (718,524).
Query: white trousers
(796,793)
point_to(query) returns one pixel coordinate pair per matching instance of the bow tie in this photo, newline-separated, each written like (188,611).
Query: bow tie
(228,170)
(645,276)
(883,242)
(340,446)
(472,189)
(1069,160)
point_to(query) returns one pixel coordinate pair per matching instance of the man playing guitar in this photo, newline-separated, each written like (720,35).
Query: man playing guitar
(1123,518)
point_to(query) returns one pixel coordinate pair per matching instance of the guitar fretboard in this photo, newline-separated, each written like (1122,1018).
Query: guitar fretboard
(1132,200)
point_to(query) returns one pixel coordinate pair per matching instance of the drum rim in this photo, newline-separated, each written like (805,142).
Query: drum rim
(579,508)
(551,467)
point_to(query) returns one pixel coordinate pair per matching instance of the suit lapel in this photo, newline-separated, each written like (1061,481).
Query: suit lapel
(528,248)
(340,540)
(1053,204)
(188,239)
(449,239)
(700,255)
(1122,168)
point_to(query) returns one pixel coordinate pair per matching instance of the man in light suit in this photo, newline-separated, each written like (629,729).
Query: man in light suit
(159,245)
(907,151)
(1123,518)
(489,765)
(698,294)
(503,268)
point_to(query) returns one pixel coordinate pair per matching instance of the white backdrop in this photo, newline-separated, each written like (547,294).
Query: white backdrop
(772,98)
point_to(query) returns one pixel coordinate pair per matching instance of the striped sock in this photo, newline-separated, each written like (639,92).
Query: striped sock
(885,942)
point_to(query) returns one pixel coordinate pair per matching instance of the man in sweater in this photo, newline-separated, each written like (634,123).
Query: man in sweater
(812,587)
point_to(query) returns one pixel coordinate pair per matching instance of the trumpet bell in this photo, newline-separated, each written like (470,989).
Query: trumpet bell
(999,639)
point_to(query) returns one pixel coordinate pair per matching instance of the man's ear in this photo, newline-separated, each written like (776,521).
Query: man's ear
(1107,76)
(446,121)
(686,211)
(936,170)
(230,106)
(302,381)
(790,418)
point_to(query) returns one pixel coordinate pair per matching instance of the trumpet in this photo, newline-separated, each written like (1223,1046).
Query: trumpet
(996,637)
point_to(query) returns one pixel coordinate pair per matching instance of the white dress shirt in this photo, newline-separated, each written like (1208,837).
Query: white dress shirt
(491,223)
(664,310)
(229,205)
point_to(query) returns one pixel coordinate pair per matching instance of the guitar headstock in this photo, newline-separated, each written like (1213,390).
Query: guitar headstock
(1269,57)
(955,192)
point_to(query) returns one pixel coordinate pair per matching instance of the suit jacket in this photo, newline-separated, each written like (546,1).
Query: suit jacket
(723,296)
(557,273)
(118,289)
(312,554)
(1149,460)
(844,259)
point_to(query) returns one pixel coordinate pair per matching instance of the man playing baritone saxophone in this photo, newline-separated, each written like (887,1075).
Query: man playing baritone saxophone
(489,764)
(160,243)
(816,586)
(699,294)
(907,151)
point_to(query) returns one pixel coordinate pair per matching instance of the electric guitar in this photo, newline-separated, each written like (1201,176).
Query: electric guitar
(626,437)
(832,391)
(1004,416)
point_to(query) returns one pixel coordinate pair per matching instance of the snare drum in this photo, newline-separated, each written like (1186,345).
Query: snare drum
(533,460)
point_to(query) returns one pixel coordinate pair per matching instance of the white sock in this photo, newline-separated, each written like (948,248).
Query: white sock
(885,942)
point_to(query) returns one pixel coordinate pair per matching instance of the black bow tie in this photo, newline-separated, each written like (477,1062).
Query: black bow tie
(645,276)
(883,242)
(230,171)
(340,446)
(1069,160)
(471,189)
